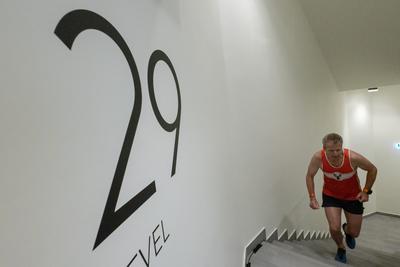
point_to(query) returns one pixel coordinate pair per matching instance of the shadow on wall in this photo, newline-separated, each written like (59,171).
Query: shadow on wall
(172,8)
(298,215)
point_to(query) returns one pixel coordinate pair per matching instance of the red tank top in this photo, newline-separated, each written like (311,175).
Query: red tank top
(340,182)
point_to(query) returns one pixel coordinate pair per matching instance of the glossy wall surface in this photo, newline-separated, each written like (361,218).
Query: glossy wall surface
(156,133)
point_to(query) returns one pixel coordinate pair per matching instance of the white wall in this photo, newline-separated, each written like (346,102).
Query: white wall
(358,133)
(372,129)
(386,132)
(257,97)
(283,100)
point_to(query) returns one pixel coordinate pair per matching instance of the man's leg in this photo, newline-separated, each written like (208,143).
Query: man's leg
(354,222)
(352,228)
(333,215)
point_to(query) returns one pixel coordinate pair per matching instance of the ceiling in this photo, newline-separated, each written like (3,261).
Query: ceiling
(360,40)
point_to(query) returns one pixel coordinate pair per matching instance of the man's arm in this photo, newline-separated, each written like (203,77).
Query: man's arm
(313,167)
(358,160)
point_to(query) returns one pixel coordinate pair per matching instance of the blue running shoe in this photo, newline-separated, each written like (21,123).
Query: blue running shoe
(341,255)
(350,241)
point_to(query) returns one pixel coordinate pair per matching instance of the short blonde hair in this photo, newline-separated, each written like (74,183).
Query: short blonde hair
(336,138)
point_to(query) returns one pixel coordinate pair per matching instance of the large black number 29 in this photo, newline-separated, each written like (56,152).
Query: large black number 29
(69,27)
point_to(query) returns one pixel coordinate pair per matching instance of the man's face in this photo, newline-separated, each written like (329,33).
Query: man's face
(333,150)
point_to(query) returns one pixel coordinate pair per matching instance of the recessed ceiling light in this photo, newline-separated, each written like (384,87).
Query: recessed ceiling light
(373,89)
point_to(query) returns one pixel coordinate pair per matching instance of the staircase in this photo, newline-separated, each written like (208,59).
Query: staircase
(378,245)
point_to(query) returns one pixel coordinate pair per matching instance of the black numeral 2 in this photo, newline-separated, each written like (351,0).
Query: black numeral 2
(69,27)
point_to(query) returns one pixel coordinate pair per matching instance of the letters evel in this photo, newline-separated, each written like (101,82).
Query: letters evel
(69,27)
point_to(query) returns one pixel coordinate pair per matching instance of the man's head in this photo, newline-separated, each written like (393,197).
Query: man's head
(332,144)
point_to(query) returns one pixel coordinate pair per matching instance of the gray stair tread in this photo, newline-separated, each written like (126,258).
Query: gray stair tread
(321,251)
(273,254)
(260,263)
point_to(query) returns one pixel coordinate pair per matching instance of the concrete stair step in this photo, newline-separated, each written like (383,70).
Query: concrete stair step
(273,254)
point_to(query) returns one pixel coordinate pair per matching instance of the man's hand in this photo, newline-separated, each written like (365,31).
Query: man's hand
(314,204)
(362,197)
